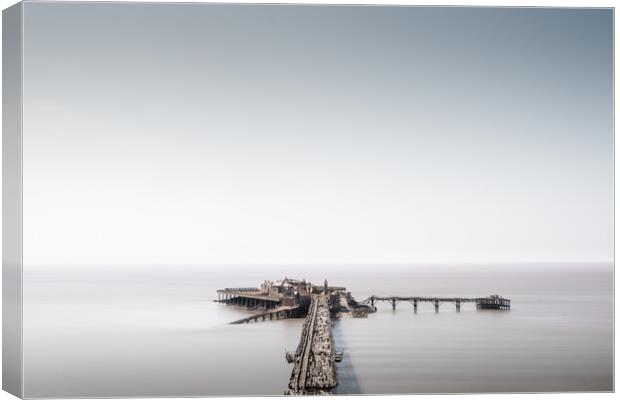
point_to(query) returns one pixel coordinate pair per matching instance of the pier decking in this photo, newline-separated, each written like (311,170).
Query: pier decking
(314,371)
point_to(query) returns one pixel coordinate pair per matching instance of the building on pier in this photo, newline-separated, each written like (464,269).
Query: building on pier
(282,293)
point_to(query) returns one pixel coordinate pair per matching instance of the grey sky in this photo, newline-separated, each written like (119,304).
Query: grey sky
(304,134)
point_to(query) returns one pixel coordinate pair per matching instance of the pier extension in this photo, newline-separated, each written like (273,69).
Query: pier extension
(493,302)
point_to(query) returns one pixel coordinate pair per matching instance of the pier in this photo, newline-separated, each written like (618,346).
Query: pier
(276,313)
(289,298)
(248,298)
(314,370)
(493,302)
(314,361)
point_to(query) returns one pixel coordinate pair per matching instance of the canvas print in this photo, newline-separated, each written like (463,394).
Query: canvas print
(268,199)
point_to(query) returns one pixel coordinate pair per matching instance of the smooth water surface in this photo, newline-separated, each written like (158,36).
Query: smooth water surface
(155,331)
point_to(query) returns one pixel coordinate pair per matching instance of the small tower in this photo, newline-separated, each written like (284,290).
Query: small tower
(325,287)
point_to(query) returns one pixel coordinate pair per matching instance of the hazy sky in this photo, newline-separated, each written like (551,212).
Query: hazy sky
(304,134)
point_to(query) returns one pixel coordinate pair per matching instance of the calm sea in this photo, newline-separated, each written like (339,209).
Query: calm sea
(155,331)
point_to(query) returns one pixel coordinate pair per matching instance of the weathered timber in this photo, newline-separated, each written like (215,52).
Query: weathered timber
(314,370)
(289,356)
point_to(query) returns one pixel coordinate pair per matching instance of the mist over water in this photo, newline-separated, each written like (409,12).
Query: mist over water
(154,330)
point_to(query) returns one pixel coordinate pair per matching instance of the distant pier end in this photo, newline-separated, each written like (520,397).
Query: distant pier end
(493,302)
(287,298)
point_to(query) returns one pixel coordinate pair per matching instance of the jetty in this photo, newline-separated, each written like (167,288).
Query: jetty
(288,298)
(277,313)
(493,302)
(314,370)
(314,361)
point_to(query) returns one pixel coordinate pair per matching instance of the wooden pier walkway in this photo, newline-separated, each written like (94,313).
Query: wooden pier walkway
(314,370)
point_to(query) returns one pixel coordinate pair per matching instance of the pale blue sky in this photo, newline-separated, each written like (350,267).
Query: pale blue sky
(307,134)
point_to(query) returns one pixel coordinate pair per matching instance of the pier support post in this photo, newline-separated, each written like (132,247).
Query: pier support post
(415,306)
(436,305)
(393,304)
(458,306)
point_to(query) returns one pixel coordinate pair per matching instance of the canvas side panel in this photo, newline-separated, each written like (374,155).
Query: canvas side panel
(12,200)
